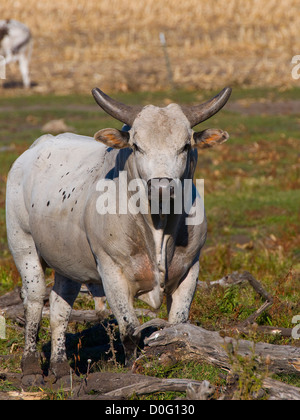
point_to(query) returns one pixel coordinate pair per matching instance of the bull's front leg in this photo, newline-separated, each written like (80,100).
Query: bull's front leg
(120,299)
(180,301)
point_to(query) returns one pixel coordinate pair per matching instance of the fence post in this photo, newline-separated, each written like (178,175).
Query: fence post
(168,64)
(2,67)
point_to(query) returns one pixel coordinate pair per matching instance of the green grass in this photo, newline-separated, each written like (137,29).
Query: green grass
(252,201)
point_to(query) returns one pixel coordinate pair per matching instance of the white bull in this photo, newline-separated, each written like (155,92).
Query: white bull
(54,219)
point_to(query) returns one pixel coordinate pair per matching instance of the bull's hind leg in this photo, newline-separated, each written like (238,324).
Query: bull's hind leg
(62,298)
(33,293)
(97,291)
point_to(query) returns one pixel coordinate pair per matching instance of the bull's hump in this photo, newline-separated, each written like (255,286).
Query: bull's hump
(63,155)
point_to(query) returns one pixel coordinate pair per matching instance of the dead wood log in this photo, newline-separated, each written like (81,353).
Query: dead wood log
(124,385)
(111,385)
(151,385)
(238,278)
(262,292)
(265,329)
(189,343)
(16,312)
(154,323)
(226,281)
(278,390)
(11,298)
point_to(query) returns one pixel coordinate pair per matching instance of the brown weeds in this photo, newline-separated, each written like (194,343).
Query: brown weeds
(79,44)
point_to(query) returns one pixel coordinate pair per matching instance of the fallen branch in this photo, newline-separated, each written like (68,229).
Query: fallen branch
(256,314)
(265,329)
(16,312)
(237,278)
(11,298)
(154,323)
(227,281)
(234,279)
(189,343)
(278,390)
(262,292)
(110,385)
(124,385)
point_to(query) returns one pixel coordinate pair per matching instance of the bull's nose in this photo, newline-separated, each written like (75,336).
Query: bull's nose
(160,188)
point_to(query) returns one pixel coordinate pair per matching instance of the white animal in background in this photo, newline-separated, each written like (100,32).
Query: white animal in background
(16,45)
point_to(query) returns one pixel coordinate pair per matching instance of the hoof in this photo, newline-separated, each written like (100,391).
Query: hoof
(65,383)
(32,380)
(60,370)
(31,365)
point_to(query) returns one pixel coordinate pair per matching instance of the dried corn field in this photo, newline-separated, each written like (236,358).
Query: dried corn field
(115,43)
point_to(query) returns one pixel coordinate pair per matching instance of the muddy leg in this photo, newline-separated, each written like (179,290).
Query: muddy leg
(62,298)
(33,294)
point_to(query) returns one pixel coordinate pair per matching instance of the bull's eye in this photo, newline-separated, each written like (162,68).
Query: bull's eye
(186,148)
(136,148)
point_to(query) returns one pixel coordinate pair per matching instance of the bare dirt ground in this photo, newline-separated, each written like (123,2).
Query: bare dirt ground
(264,107)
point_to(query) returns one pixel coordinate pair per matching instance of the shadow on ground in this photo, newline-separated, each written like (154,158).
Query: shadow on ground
(95,345)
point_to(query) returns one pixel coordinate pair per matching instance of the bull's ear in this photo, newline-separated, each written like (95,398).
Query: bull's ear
(112,137)
(209,138)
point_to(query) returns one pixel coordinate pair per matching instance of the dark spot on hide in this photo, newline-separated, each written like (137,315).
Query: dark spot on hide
(48,203)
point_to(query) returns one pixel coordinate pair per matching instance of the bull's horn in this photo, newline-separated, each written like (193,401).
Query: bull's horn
(121,112)
(198,113)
